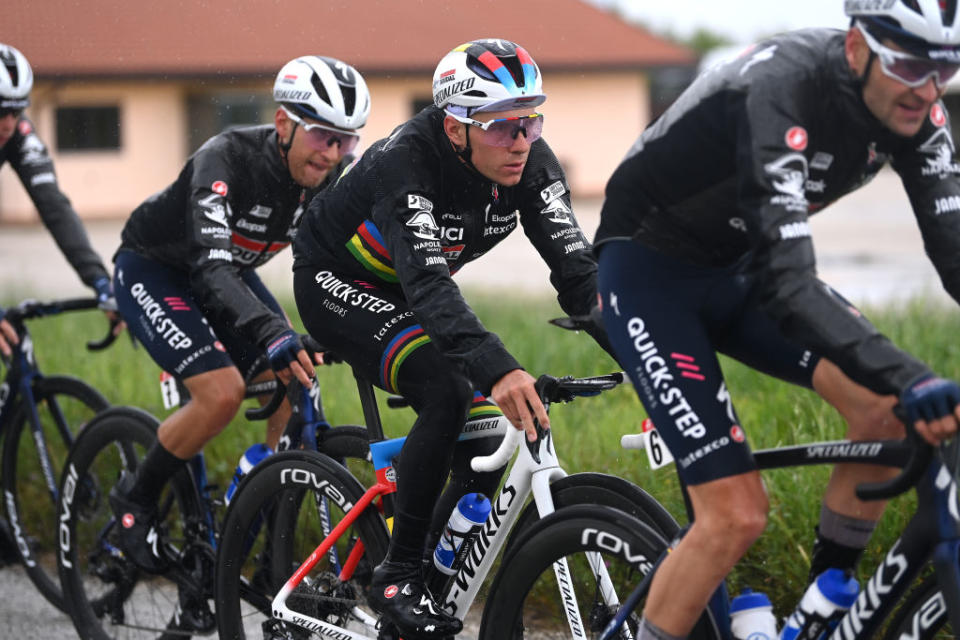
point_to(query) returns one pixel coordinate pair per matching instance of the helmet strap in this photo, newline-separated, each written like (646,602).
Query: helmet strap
(466,153)
(285,146)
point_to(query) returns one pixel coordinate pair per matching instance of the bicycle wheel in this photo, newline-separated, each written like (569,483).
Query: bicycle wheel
(599,489)
(533,597)
(107,595)
(275,520)
(923,616)
(63,406)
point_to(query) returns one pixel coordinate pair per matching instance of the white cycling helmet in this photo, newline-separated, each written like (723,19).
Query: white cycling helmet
(16,78)
(928,28)
(324,89)
(487,75)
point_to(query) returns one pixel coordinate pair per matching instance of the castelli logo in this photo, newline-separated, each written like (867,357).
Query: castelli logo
(219,187)
(390,591)
(128,520)
(937,116)
(796,138)
(219,346)
(24,127)
(736,433)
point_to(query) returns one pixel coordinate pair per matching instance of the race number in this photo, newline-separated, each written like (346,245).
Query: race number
(657,452)
(169,391)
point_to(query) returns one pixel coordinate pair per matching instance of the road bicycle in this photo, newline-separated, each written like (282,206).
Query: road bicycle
(107,594)
(40,416)
(312,592)
(929,542)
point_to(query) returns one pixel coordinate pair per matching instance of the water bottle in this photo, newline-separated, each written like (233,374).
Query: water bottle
(751,617)
(248,461)
(464,523)
(823,604)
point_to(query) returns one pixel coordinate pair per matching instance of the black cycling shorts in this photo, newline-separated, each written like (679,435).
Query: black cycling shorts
(155,301)
(666,319)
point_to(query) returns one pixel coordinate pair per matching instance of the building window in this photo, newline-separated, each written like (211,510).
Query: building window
(88,128)
(419,104)
(213,113)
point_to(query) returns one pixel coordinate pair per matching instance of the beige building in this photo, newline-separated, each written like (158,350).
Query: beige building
(124,92)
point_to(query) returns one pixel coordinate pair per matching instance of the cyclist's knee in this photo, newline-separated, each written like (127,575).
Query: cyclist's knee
(732,510)
(217,395)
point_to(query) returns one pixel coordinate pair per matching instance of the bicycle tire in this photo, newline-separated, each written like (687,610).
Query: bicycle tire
(628,548)
(598,489)
(64,405)
(923,615)
(251,568)
(107,596)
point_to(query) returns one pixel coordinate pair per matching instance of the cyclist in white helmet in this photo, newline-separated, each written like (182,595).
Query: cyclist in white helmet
(26,153)
(185,272)
(443,189)
(712,202)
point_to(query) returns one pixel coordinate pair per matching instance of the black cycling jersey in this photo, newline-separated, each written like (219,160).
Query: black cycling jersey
(732,170)
(28,156)
(233,207)
(410,213)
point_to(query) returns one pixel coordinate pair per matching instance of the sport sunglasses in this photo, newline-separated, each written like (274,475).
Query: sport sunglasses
(911,70)
(501,132)
(320,136)
(10,111)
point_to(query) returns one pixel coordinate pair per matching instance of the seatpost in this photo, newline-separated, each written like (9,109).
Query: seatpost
(371,414)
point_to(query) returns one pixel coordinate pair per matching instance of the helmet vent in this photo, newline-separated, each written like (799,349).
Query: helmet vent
(349,99)
(10,62)
(320,89)
(480,69)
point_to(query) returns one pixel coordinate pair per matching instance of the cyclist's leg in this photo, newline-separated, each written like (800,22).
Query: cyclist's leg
(375,331)
(846,522)
(156,304)
(654,309)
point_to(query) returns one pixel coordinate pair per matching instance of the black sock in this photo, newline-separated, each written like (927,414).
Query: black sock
(407,539)
(158,466)
(828,554)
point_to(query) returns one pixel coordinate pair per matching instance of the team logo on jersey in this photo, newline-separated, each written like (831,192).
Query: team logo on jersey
(937,116)
(789,175)
(24,128)
(940,148)
(557,211)
(796,138)
(419,202)
(260,211)
(219,187)
(553,192)
(424,226)
(737,433)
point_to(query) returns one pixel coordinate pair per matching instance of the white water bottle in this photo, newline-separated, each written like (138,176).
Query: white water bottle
(824,603)
(465,521)
(751,617)
(254,454)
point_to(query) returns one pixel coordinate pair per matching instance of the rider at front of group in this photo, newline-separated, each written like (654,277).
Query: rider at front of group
(372,275)
(22,148)
(185,272)
(714,199)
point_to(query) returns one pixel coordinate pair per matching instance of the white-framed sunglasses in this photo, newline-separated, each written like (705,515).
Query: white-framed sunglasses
(501,132)
(320,136)
(906,68)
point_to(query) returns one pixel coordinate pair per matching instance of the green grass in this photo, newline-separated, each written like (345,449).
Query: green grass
(587,431)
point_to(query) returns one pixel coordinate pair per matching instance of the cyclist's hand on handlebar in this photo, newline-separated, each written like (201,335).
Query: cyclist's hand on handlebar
(516,395)
(107,303)
(7,336)
(288,358)
(931,404)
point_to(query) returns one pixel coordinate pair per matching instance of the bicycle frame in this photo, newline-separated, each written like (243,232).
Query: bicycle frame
(918,543)
(534,470)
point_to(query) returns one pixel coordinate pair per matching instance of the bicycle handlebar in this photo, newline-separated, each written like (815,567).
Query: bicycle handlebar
(30,309)
(550,389)
(920,456)
(279,389)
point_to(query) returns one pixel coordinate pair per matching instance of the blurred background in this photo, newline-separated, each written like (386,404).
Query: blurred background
(125,92)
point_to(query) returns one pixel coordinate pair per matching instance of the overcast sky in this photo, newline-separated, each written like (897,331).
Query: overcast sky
(739,20)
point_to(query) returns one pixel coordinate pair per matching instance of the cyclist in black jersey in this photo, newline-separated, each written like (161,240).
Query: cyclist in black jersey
(22,148)
(185,271)
(711,206)
(372,275)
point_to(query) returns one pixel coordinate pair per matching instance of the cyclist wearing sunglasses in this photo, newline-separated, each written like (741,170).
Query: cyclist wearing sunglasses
(714,200)
(185,272)
(26,153)
(373,270)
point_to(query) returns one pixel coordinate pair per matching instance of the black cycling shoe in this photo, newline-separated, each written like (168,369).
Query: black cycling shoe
(137,533)
(398,592)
